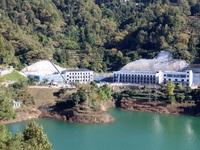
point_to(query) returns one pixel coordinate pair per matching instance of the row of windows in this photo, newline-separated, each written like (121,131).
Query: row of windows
(122,75)
(176,75)
(79,73)
(176,80)
(80,80)
(79,77)
(125,81)
(136,77)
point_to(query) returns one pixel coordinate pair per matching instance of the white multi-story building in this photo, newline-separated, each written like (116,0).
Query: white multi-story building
(186,78)
(78,75)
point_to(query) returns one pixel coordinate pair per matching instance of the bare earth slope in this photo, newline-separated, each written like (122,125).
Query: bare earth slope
(43,95)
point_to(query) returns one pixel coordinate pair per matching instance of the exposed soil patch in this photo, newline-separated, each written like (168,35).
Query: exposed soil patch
(43,96)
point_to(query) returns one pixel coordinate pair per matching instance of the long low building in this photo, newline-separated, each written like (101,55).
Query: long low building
(137,77)
(158,77)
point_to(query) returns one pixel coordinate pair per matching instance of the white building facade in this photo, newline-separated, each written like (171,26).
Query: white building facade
(186,77)
(137,77)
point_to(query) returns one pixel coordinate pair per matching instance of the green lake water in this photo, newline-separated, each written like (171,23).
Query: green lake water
(130,131)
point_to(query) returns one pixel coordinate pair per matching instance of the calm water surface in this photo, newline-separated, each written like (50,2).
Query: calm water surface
(130,131)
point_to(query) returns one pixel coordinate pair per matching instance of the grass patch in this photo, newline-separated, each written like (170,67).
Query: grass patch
(13,76)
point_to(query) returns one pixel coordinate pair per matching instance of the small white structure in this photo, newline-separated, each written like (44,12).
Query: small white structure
(78,75)
(16,104)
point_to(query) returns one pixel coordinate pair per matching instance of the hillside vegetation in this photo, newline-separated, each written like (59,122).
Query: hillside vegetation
(13,76)
(102,35)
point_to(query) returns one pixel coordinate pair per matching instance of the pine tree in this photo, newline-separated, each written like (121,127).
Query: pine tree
(5,137)
(35,138)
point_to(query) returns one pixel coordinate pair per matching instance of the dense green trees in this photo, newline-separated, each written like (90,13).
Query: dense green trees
(18,91)
(90,95)
(6,110)
(15,92)
(33,137)
(81,33)
(169,93)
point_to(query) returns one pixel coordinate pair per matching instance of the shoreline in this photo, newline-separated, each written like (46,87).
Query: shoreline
(158,107)
(24,115)
(101,116)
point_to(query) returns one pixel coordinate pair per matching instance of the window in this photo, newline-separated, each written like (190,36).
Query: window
(183,76)
(169,75)
(176,75)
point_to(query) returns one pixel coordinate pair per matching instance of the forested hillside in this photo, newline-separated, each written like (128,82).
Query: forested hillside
(102,35)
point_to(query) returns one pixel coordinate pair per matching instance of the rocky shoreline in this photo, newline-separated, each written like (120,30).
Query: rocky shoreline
(74,116)
(23,115)
(80,114)
(157,107)
(83,114)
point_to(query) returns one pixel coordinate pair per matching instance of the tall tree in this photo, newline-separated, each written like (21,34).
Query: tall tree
(169,89)
(35,138)
(5,137)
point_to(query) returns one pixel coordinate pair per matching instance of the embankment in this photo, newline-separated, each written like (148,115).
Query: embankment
(157,107)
